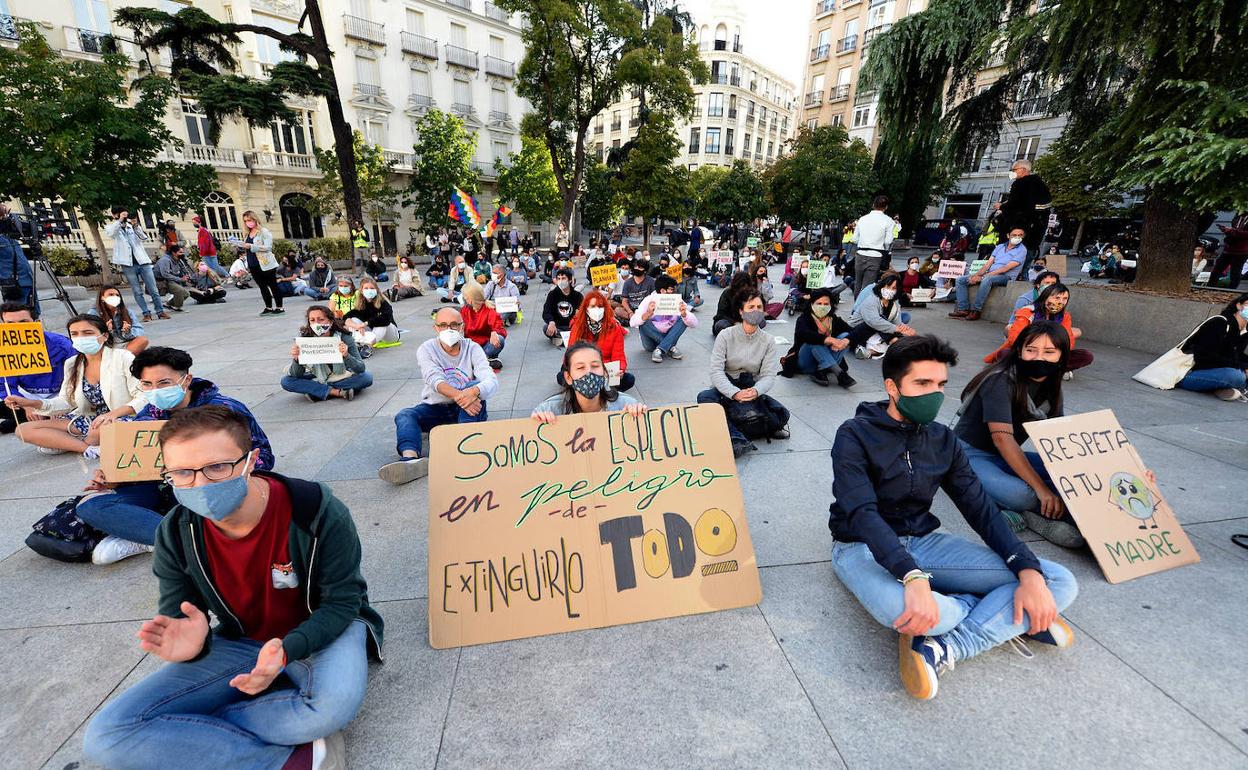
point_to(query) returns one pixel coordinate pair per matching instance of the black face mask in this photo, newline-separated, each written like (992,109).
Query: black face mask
(639,273)
(1038,369)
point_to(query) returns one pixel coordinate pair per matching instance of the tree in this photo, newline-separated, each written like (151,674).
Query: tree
(823,178)
(72,130)
(650,183)
(205,69)
(378,198)
(600,208)
(736,195)
(529,182)
(441,161)
(1080,191)
(702,182)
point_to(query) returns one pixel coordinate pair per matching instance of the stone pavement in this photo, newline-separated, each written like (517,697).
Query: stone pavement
(804,679)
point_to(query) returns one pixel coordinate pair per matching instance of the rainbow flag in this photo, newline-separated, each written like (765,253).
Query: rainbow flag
(463,208)
(496,220)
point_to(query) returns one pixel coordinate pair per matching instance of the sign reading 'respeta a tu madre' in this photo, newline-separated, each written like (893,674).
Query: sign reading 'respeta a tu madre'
(594,520)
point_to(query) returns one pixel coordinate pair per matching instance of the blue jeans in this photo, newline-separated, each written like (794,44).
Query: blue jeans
(320,295)
(1205,380)
(320,390)
(186,714)
(1006,490)
(437,281)
(214,265)
(382,278)
(651,337)
(985,286)
(819,358)
(492,350)
(973,588)
(414,420)
(130,512)
(135,273)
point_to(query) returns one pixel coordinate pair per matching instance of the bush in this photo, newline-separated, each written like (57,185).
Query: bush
(283,248)
(192,253)
(67,261)
(330,248)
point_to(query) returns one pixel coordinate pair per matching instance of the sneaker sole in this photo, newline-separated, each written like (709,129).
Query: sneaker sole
(404,472)
(917,677)
(1056,532)
(1060,634)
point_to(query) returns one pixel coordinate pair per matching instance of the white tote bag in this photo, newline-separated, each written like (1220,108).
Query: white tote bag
(1171,366)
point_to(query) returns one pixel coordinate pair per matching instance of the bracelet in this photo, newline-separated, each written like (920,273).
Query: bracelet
(913,575)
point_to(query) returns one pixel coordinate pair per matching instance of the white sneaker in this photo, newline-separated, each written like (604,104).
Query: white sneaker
(861,353)
(47,450)
(1068,376)
(113,549)
(657,356)
(91,453)
(1226,394)
(330,752)
(675,354)
(405,470)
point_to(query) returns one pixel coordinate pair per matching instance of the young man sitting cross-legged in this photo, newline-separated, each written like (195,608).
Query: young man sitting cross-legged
(286,667)
(948,598)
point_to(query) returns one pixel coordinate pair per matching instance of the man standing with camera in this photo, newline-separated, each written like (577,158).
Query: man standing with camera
(132,259)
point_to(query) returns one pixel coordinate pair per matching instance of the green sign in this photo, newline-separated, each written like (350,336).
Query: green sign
(815,278)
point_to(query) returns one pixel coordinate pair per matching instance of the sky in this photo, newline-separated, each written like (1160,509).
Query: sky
(774,32)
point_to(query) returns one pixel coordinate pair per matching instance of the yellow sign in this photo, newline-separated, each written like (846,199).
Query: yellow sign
(130,451)
(604,275)
(676,272)
(23,350)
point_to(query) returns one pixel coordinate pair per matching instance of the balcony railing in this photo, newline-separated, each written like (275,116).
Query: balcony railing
(847,44)
(598,129)
(814,98)
(363,29)
(697,111)
(496,13)
(633,122)
(693,149)
(729,150)
(282,161)
(715,112)
(819,53)
(368,89)
(873,33)
(848,3)
(1036,106)
(839,93)
(500,67)
(732,113)
(719,78)
(402,160)
(734,80)
(89,41)
(419,45)
(824,7)
(465,4)
(461,57)
(219,157)
(498,116)
(463,110)
(616,125)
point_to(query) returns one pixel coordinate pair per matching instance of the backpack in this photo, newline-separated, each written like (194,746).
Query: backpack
(755,419)
(61,535)
(216,243)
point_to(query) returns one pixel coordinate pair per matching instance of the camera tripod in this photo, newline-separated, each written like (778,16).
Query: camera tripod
(32,246)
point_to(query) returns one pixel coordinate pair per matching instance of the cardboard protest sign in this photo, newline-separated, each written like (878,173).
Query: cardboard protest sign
(722,257)
(751,242)
(976,265)
(604,275)
(951,268)
(319,350)
(816,275)
(23,350)
(592,521)
(507,304)
(676,272)
(613,373)
(1130,528)
(130,451)
(567,338)
(743,263)
(921,295)
(667,304)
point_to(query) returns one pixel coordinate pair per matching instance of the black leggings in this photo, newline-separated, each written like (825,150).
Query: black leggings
(267,281)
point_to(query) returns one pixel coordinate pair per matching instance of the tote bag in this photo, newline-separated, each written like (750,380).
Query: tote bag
(1171,366)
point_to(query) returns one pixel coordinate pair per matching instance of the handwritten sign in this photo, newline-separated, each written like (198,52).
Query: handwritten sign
(751,242)
(507,304)
(613,373)
(743,263)
(592,521)
(23,350)
(1129,526)
(951,268)
(604,275)
(722,257)
(676,272)
(667,304)
(816,276)
(921,295)
(976,265)
(130,451)
(319,350)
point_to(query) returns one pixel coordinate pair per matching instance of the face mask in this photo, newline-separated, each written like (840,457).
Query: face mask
(1013,175)
(369,293)
(113,301)
(87,345)
(449,337)
(1054,309)
(215,500)
(595,313)
(762,276)
(638,273)
(321,329)
(805,270)
(562,285)
(589,385)
(935,257)
(1243,312)
(913,265)
(753,317)
(921,410)
(344,290)
(820,311)
(165,398)
(1037,368)
(515,265)
(1015,241)
(888,293)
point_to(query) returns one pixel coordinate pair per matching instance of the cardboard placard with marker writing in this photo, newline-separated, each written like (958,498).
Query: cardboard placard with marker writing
(130,451)
(1130,528)
(23,350)
(604,275)
(951,268)
(592,521)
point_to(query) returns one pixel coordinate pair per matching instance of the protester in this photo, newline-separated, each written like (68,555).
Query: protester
(257,246)
(913,279)
(371,321)
(1038,284)
(359,244)
(1052,305)
(1040,265)
(240,274)
(376,268)
(762,281)
(132,259)
(560,305)
(1025,208)
(500,286)
(633,291)
(661,332)
(517,274)
(321,382)
(42,386)
(1199,261)
(594,323)
(289,277)
(457,381)
(123,328)
(820,339)
(406,281)
(1234,252)
(206,288)
(744,365)
(206,245)
(1006,263)
(320,282)
(97,389)
(726,313)
(172,268)
(584,387)
(949,599)
(1219,360)
(276,561)
(455,280)
(483,325)
(1023,386)
(873,235)
(437,272)
(877,311)
(345,297)
(129,513)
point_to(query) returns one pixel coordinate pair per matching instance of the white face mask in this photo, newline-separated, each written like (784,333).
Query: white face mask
(1013,175)
(888,293)
(113,301)
(449,337)
(1015,241)
(595,313)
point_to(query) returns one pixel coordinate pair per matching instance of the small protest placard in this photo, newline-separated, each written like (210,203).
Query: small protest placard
(723,257)
(921,295)
(743,263)
(130,451)
(951,268)
(604,275)
(816,276)
(676,272)
(613,373)
(976,265)
(1130,528)
(591,521)
(507,304)
(319,350)
(667,304)
(567,337)
(751,242)
(23,350)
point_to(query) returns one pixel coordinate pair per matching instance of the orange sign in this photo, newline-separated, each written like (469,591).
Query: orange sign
(23,350)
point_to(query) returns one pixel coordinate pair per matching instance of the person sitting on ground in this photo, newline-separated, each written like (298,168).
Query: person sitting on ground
(1053,305)
(456,277)
(321,382)
(1028,298)
(481,270)
(1023,386)
(633,291)
(517,274)
(276,562)
(344,299)
(1003,267)
(123,328)
(661,331)
(98,388)
(1105,264)
(584,386)
(437,272)
(483,325)
(371,321)
(1219,361)
(176,273)
(594,323)
(931,267)
(289,277)
(320,282)
(877,311)
(726,313)
(744,365)
(689,291)
(1199,261)
(206,288)
(1040,265)
(406,281)
(457,381)
(560,305)
(819,342)
(498,287)
(41,386)
(762,281)
(949,599)
(240,274)
(129,513)
(376,268)
(799,292)
(913,279)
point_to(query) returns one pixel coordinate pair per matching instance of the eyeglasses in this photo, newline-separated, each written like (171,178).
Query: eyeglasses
(185,477)
(444,327)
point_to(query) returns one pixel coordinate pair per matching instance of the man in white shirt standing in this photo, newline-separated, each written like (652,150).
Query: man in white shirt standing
(874,237)
(133,261)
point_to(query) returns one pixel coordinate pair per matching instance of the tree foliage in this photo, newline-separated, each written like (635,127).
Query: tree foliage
(735,194)
(825,177)
(1080,191)
(528,181)
(651,183)
(600,208)
(441,161)
(702,182)
(378,197)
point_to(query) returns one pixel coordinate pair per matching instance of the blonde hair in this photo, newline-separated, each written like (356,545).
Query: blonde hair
(249,214)
(360,301)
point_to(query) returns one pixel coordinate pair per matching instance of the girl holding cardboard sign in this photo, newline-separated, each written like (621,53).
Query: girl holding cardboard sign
(321,382)
(584,388)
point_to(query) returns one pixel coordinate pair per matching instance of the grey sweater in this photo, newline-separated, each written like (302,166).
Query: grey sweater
(869,313)
(736,352)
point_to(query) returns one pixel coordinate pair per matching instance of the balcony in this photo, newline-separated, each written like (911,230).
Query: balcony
(734,80)
(465,4)
(282,161)
(633,122)
(697,111)
(824,7)
(719,78)
(847,44)
(363,29)
(839,93)
(814,98)
(463,110)
(485,170)
(499,67)
(496,13)
(729,150)
(500,118)
(88,41)
(732,113)
(693,149)
(873,33)
(598,129)
(419,103)
(402,160)
(419,45)
(218,157)
(849,3)
(819,53)
(368,89)
(874,3)
(1035,107)
(461,57)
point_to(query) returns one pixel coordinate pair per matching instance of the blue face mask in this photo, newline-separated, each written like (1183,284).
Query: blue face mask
(1243,312)
(214,500)
(165,398)
(87,345)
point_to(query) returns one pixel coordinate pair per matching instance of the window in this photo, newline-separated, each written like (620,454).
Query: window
(838,120)
(712,140)
(415,22)
(92,15)
(732,105)
(825,37)
(851,28)
(375,130)
(878,15)
(360,8)
(196,123)
(812,123)
(459,35)
(296,221)
(1028,147)
(715,106)
(863,116)
(749,109)
(745,146)
(219,211)
(843,76)
(496,47)
(717,72)
(462,92)
(498,99)
(771,148)
(421,83)
(758,146)
(615,144)
(736,74)
(366,71)
(292,137)
(268,52)
(914,7)
(615,120)
(974,158)
(728,143)
(816,84)
(500,150)
(695,139)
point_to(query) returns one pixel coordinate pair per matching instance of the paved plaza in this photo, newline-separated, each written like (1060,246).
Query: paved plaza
(805,679)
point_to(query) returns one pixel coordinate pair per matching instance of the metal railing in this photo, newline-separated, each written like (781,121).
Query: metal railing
(814,98)
(721,45)
(715,112)
(420,101)
(616,125)
(498,116)
(89,41)
(839,93)
(819,53)
(732,113)
(500,67)
(368,89)
(461,57)
(873,33)
(463,110)
(598,129)
(847,44)
(465,4)
(419,45)
(1035,106)
(496,13)
(363,29)
(719,78)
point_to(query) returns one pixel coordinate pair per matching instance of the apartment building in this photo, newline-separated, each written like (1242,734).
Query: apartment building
(745,111)
(394,61)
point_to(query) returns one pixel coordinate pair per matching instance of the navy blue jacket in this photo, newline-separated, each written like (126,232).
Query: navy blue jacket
(886,474)
(205,393)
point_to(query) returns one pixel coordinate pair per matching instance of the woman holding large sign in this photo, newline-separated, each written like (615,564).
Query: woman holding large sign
(584,388)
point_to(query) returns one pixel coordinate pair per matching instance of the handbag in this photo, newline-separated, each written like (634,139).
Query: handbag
(61,535)
(1171,366)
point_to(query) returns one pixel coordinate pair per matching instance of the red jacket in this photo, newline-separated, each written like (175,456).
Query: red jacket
(479,323)
(611,343)
(203,242)
(1022,319)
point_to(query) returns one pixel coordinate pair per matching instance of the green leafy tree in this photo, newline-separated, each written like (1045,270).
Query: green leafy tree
(823,178)
(441,161)
(205,69)
(529,182)
(600,208)
(702,182)
(650,182)
(737,195)
(378,197)
(73,130)
(1079,190)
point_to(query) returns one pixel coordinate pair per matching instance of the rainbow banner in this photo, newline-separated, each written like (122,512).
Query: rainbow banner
(496,220)
(463,208)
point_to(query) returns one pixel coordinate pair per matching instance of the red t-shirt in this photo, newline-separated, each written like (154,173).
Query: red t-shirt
(254,574)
